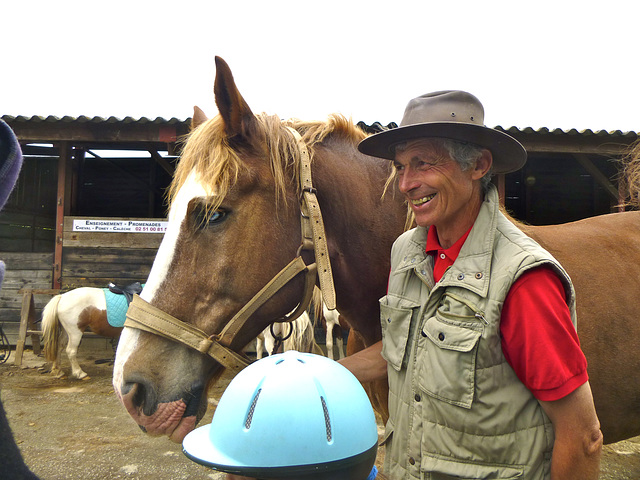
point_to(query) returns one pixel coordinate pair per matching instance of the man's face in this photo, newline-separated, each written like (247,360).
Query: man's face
(437,189)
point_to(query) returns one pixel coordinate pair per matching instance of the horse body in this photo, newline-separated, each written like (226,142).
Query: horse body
(75,311)
(232,228)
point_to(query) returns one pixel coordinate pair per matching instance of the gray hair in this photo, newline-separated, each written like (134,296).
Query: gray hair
(462,152)
(466,154)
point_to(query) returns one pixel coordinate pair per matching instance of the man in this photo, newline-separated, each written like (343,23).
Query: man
(486,375)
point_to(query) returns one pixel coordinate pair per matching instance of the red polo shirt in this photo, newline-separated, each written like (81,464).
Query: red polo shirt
(538,337)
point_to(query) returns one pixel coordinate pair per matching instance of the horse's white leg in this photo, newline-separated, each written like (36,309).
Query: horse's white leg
(340,345)
(269,341)
(259,346)
(329,338)
(75,338)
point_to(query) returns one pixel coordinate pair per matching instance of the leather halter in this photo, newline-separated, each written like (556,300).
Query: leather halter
(144,316)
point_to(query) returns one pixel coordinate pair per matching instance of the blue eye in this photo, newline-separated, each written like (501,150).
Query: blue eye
(217,216)
(204,219)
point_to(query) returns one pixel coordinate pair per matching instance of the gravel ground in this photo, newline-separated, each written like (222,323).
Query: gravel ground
(77,430)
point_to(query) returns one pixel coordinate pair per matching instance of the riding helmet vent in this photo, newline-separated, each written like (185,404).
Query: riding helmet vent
(327,420)
(252,408)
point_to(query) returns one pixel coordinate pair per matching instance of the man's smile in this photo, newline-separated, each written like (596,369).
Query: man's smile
(421,201)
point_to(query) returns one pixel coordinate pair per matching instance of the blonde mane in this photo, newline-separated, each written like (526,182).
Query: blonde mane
(630,176)
(207,152)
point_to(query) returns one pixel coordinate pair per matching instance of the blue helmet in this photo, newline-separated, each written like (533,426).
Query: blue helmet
(291,415)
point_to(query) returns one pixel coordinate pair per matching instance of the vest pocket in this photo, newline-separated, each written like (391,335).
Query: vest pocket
(395,321)
(436,467)
(447,361)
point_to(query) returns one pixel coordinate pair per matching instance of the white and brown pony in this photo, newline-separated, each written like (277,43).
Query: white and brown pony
(75,312)
(281,337)
(329,321)
(235,223)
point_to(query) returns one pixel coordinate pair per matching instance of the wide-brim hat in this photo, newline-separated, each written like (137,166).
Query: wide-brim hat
(452,114)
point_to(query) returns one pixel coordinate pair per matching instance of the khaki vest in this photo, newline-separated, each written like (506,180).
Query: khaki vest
(457,409)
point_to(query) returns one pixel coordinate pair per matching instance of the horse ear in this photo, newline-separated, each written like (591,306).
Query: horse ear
(199,117)
(238,117)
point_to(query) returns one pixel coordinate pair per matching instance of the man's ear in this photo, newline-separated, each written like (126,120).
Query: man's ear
(483,164)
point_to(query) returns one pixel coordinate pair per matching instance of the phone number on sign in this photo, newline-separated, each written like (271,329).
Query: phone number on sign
(151,229)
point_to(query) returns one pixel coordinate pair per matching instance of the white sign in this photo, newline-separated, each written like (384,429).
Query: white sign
(120,226)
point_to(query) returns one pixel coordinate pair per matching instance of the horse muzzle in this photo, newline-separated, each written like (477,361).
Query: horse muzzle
(172,418)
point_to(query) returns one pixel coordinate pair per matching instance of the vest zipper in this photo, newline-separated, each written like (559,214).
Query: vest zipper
(476,312)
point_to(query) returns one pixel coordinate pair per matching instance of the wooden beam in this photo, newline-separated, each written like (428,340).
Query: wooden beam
(597,175)
(166,166)
(97,131)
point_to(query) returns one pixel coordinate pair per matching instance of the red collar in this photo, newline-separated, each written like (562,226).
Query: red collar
(444,257)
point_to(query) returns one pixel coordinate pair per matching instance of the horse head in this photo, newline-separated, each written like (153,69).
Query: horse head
(234,202)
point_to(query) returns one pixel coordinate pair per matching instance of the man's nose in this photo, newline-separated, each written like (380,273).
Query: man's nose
(407,181)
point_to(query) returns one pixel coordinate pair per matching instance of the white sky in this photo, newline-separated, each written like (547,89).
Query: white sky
(533,63)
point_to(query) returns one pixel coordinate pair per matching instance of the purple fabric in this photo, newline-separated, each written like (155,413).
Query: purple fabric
(11,463)
(10,161)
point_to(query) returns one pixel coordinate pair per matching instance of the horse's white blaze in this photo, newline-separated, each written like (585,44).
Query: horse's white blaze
(129,338)
(127,344)
(190,190)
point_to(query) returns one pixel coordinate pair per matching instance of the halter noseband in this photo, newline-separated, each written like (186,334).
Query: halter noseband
(144,316)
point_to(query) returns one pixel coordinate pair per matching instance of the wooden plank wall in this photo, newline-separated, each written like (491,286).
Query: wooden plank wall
(93,259)
(23,270)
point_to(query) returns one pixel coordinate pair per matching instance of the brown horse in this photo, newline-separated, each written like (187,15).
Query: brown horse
(235,221)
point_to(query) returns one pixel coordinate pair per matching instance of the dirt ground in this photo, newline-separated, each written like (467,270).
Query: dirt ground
(72,429)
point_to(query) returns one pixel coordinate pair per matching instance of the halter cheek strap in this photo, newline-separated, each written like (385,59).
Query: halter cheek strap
(144,316)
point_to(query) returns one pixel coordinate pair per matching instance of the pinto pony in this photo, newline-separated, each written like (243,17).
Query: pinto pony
(297,335)
(234,227)
(330,322)
(74,311)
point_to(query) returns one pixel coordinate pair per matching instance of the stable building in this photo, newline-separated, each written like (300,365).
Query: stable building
(90,207)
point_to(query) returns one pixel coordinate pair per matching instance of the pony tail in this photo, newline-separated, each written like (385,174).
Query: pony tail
(316,300)
(51,329)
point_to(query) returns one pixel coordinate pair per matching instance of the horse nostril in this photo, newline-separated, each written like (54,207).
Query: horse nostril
(140,397)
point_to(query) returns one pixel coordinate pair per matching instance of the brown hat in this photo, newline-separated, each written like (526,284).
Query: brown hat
(448,114)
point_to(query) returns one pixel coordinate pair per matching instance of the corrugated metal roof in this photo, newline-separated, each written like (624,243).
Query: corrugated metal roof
(373,128)
(378,127)
(95,120)
(573,131)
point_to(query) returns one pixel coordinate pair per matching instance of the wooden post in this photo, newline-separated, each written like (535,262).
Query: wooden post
(28,323)
(27,307)
(62,207)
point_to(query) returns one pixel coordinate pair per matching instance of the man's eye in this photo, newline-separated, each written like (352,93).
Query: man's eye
(424,165)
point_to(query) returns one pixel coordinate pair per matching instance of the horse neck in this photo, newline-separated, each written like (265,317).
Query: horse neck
(361,227)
